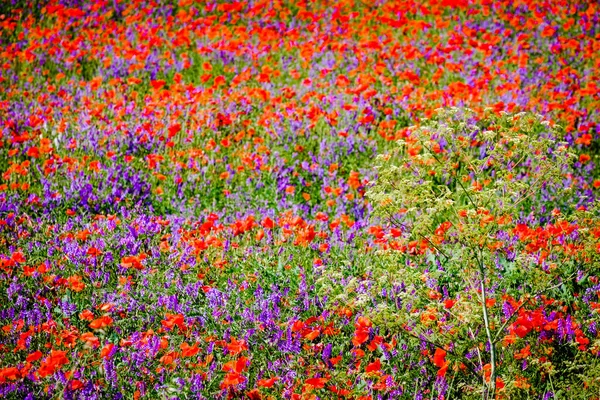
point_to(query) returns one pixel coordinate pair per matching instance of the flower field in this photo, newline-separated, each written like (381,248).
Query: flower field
(349,199)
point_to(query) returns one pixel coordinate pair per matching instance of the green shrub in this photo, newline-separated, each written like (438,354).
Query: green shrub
(493,266)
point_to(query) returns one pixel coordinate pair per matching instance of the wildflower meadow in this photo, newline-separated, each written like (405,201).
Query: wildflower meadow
(346,199)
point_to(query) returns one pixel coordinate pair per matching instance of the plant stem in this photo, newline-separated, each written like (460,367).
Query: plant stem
(481,364)
(488,331)
(417,388)
(491,394)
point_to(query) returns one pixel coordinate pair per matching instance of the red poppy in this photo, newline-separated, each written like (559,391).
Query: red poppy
(18,257)
(361,333)
(133,261)
(268,223)
(106,350)
(172,320)
(449,303)
(9,374)
(75,384)
(267,383)
(254,394)
(86,315)
(94,252)
(36,355)
(101,323)
(189,351)
(75,283)
(236,346)
(90,339)
(374,367)
(317,383)
(234,369)
(439,358)
(54,362)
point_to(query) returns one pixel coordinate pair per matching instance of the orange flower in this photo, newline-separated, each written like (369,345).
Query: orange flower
(172,320)
(439,358)
(354,180)
(133,261)
(101,323)
(508,340)
(267,383)
(374,367)
(313,334)
(268,223)
(234,369)
(317,383)
(76,284)
(10,374)
(522,383)
(94,252)
(106,350)
(86,315)
(449,303)
(18,257)
(36,355)
(335,360)
(490,302)
(54,362)
(236,346)
(442,371)
(523,353)
(254,394)
(90,339)
(232,379)
(189,351)
(169,358)
(76,384)
(361,333)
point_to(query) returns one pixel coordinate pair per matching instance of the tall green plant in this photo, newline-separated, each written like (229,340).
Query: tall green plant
(467,195)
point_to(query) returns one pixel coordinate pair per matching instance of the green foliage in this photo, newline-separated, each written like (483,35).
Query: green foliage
(454,163)
(467,195)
